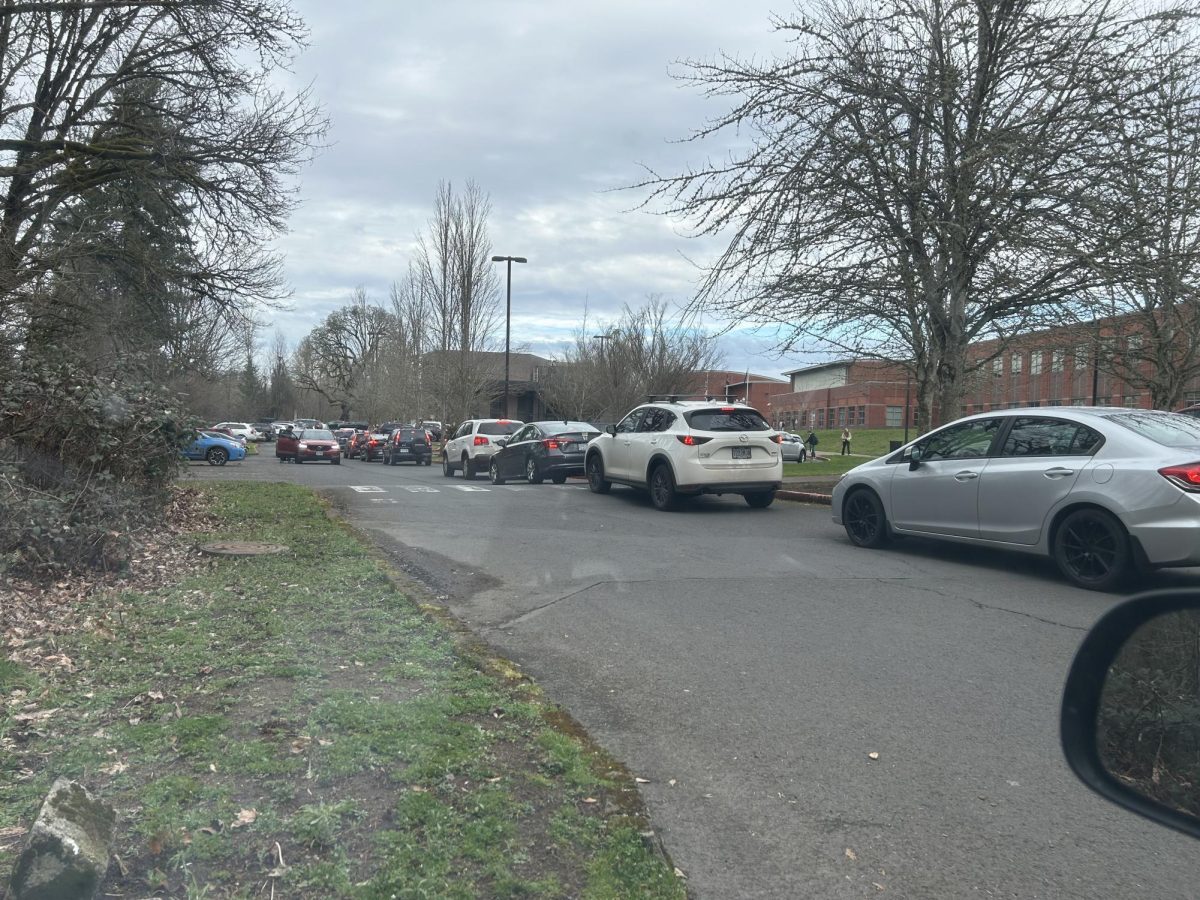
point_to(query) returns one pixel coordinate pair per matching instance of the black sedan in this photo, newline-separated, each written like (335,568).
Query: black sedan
(543,450)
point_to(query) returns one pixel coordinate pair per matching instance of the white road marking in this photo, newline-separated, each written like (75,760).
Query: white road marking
(384,500)
(421,489)
(467,487)
(367,489)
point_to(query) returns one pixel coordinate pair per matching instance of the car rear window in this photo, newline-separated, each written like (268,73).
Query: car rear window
(582,428)
(726,419)
(412,434)
(1168,429)
(499,427)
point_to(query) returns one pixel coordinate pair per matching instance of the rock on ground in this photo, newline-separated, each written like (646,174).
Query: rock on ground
(66,854)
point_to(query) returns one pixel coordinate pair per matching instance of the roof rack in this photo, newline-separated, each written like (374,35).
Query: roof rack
(675,398)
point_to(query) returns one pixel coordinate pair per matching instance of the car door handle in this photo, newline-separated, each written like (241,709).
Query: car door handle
(966,476)
(1058,472)
(627,443)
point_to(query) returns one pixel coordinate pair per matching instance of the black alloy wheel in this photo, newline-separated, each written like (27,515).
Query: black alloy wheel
(1092,550)
(863,516)
(662,488)
(597,483)
(494,473)
(217,456)
(532,473)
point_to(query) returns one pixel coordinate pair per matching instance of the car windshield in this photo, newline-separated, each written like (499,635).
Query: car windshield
(1168,429)
(316,434)
(726,419)
(499,427)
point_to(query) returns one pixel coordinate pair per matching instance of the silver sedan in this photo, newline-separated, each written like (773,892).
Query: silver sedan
(1104,491)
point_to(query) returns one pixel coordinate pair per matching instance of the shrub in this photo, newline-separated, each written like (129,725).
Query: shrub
(86,457)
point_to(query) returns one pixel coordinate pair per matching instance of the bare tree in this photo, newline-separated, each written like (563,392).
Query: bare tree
(1147,316)
(459,287)
(334,359)
(172,94)
(644,352)
(923,174)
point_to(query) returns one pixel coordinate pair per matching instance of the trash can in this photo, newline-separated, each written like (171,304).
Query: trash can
(894,446)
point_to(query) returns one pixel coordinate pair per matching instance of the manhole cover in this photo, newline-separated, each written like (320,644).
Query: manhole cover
(241,548)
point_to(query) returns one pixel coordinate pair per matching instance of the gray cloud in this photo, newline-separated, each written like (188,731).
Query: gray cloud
(549,107)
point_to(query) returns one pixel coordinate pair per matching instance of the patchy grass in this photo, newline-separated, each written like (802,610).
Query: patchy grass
(297,725)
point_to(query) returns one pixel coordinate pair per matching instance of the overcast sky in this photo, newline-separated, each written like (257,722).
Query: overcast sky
(547,107)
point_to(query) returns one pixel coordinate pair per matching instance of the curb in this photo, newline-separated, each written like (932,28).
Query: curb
(805,497)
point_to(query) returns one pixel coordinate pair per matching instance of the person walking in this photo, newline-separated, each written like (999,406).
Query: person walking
(845,442)
(811,440)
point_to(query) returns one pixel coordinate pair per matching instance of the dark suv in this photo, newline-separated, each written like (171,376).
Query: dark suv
(408,444)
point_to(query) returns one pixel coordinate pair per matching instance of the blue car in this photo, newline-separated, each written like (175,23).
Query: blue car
(215,448)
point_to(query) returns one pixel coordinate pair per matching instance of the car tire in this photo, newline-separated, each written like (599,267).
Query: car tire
(297,460)
(429,460)
(662,488)
(1091,548)
(468,468)
(217,456)
(864,519)
(597,483)
(447,468)
(760,499)
(532,474)
(336,461)
(494,473)
(559,479)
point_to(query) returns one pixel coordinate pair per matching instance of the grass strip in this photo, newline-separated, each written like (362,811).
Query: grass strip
(295,725)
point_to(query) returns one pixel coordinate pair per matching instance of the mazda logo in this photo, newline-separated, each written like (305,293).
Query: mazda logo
(743,438)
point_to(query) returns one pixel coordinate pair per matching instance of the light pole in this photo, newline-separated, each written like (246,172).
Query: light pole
(508,317)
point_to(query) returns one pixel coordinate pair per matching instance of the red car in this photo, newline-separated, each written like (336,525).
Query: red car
(358,441)
(373,447)
(308,445)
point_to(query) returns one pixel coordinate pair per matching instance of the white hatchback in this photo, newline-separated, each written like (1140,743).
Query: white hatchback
(681,448)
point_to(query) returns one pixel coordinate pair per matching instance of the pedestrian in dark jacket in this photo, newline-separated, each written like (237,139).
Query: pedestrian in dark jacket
(811,440)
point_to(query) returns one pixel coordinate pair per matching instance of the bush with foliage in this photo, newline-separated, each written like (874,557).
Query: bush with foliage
(86,458)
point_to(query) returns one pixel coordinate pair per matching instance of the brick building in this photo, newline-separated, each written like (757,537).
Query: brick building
(743,387)
(1054,367)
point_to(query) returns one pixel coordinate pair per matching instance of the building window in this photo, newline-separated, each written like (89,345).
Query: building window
(1015,364)
(1035,362)
(821,418)
(1078,401)
(1082,356)
(894,416)
(1133,343)
(1130,400)
(997,366)
(862,415)
(1054,402)
(1056,360)
(841,415)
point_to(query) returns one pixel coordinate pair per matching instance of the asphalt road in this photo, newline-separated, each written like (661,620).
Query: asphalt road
(746,662)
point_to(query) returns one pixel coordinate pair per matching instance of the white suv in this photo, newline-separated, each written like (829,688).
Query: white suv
(472,446)
(680,448)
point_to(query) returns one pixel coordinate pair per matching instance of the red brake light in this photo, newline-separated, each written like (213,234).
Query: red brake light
(1186,476)
(728,408)
(372,442)
(691,440)
(550,444)
(480,440)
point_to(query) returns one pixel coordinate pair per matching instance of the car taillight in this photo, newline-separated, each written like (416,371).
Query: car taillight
(480,440)
(1186,476)
(691,440)
(550,444)
(777,438)
(372,443)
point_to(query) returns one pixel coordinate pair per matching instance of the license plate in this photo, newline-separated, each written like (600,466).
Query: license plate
(403,450)
(320,453)
(741,452)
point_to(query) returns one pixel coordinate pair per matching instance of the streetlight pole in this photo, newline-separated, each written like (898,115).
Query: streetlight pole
(508,318)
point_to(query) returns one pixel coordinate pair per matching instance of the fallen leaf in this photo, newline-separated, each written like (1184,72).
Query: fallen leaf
(417,789)
(244,818)
(850,854)
(641,780)
(679,873)
(671,782)
(590,800)
(155,695)
(114,769)
(878,886)
(873,755)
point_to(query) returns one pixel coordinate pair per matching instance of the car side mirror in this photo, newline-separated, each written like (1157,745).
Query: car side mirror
(914,459)
(1130,720)
(611,429)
